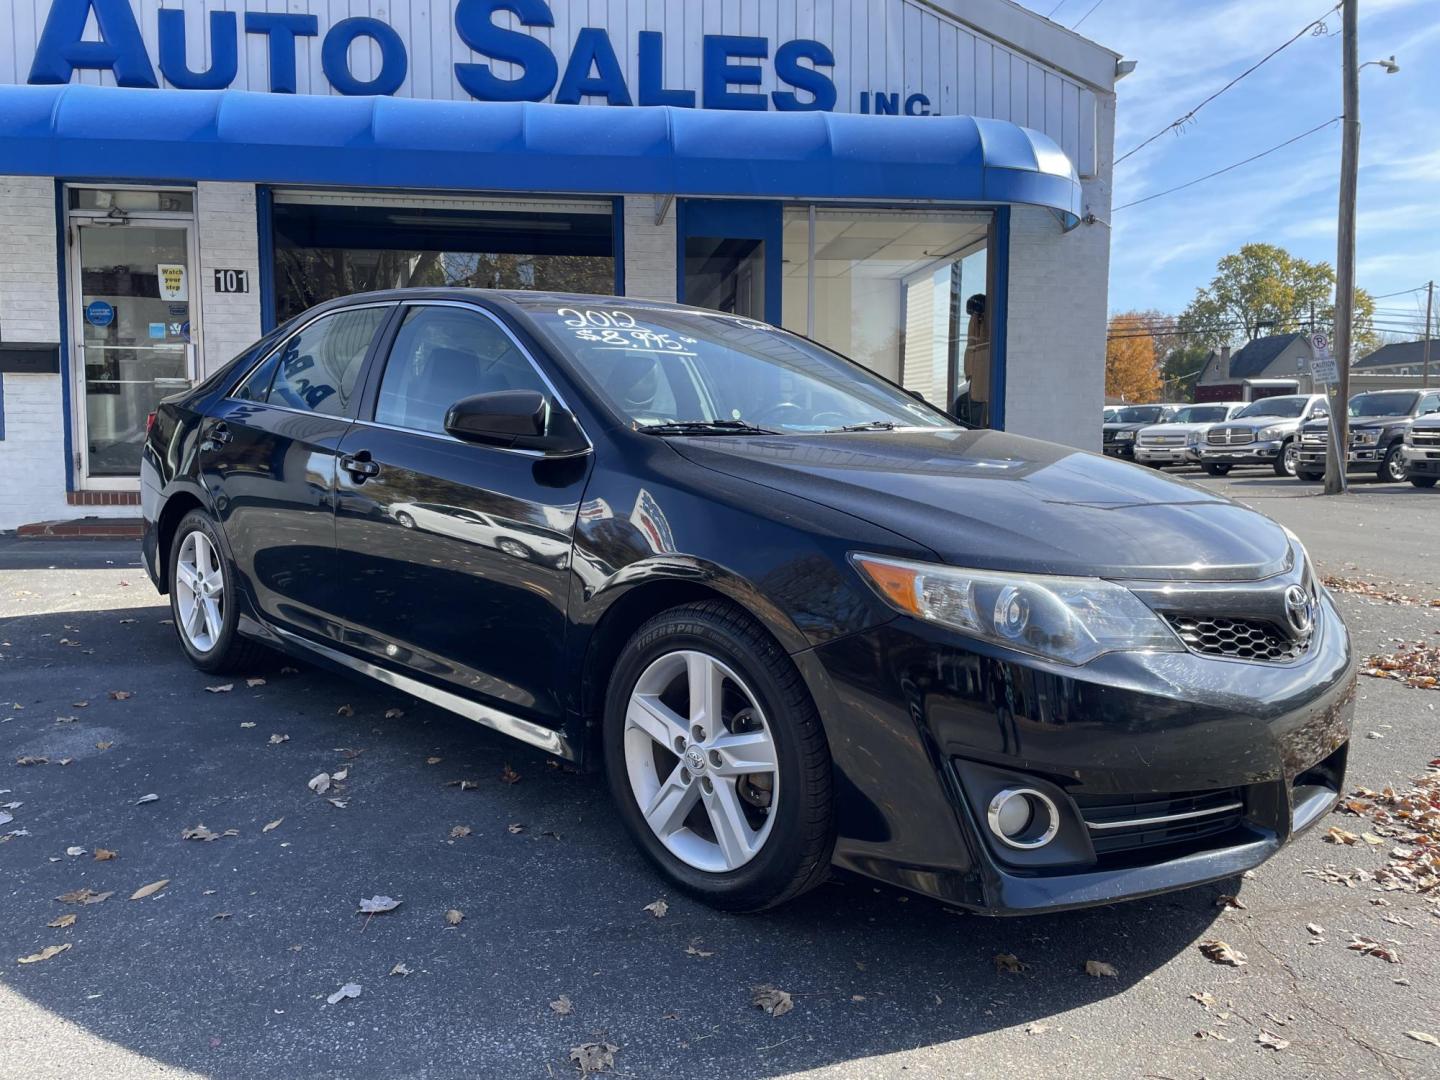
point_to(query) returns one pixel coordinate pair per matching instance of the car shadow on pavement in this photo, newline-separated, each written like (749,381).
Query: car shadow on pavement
(226,969)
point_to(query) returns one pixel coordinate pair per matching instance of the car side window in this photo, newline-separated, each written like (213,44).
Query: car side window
(1430,404)
(441,355)
(1320,412)
(256,386)
(316,369)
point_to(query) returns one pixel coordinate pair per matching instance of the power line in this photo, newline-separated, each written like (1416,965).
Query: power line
(1056,8)
(1087,14)
(1191,114)
(1402,292)
(1218,172)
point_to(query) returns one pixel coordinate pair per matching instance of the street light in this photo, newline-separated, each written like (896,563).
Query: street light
(1339,448)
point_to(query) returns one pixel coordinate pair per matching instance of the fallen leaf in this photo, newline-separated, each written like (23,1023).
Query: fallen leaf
(1219,952)
(1370,947)
(1337,835)
(146,798)
(349,990)
(463,785)
(658,908)
(1225,900)
(458,831)
(6,817)
(199,832)
(433,760)
(401,969)
(73,851)
(254,682)
(84,896)
(276,740)
(32,761)
(319,784)
(345,710)
(1419,1036)
(221,915)
(247,723)
(509,775)
(1036,1027)
(376,905)
(121,695)
(394,714)
(593,1057)
(454,918)
(514,828)
(693,949)
(1271,1041)
(104,854)
(103,745)
(66,920)
(1098,968)
(289,671)
(44,954)
(271,824)
(1008,962)
(773,1001)
(561,1006)
(340,776)
(1315,928)
(147,890)
(224,688)
(1204,997)
(341,803)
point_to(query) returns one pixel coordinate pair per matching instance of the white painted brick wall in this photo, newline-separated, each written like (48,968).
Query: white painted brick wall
(649,251)
(32,454)
(229,240)
(1057,314)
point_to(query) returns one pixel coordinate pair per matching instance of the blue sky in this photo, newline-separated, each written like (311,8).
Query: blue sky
(1162,251)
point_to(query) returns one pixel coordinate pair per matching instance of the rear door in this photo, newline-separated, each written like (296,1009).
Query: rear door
(455,556)
(268,458)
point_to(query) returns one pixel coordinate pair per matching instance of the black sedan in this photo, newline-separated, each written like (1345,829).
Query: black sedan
(798,617)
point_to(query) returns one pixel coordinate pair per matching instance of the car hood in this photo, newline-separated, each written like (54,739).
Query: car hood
(1174,429)
(1255,423)
(1111,429)
(990,500)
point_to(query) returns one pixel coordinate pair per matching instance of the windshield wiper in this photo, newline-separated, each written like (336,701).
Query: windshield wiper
(704,427)
(873,425)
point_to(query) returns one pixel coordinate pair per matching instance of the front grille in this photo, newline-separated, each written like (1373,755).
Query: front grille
(1235,639)
(1425,438)
(1162,440)
(1315,438)
(1123,824)
(1230,436)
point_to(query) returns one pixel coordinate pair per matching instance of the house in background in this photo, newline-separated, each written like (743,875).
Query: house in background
(1279,364)
(1401,358)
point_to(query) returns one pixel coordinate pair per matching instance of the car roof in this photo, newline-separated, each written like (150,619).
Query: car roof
(520,298)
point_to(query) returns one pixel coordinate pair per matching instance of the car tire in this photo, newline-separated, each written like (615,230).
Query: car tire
(514,549)
(1212,469)
(1392,469)
(777,851)
(404,520)
(1287,462)
(1424,481)
(210,639)
(1308,476)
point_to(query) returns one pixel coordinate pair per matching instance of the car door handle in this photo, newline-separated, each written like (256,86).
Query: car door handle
(218,434)
(360,466)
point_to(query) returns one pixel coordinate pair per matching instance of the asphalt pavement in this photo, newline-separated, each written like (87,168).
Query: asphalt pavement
(225,971)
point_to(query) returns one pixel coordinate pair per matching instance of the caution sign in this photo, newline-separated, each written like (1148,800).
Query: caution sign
(173,285)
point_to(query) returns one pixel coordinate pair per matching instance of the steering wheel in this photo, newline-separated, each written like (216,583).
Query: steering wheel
(830,419)
(774,410)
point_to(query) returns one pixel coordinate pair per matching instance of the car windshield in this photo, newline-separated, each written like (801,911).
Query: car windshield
(1390,403)
(1275,406)
(697,372)
(1200,414)
(1140,414)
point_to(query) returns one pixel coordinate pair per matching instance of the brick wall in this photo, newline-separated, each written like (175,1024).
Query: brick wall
(32,454)
(229,240)
(649,250)
(1057,314)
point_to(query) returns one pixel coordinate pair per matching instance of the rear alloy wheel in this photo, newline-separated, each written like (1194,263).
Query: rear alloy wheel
(1392,470)
(1213,469)
(1288,463)
(717,759)
(202,600)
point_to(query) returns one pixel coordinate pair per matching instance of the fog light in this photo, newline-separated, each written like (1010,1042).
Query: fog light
(1023,818)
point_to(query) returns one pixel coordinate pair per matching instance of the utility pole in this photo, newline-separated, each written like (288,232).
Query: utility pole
(1339,447)
(1429,306)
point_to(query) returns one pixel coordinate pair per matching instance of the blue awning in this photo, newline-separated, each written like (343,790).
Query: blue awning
(81,132)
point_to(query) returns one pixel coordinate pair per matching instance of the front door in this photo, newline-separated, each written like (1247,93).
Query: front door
(134,327)
(729,258)
(455,557)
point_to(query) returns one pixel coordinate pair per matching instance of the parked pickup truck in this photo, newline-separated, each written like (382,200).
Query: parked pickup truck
(1177,441)
(1379,420)
(1422,451)
(1265,432)
(1118,439)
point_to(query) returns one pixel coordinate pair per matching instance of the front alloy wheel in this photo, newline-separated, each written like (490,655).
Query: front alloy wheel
(1289,460)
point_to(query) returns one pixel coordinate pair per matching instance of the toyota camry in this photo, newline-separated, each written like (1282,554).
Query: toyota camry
(799,618)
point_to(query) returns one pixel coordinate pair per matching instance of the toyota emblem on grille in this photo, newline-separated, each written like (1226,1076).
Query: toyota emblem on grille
(1299,611)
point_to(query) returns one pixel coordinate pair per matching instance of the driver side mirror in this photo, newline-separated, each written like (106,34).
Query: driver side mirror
(515,420)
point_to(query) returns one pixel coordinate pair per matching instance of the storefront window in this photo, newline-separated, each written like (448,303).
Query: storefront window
(902,292)
(324,251)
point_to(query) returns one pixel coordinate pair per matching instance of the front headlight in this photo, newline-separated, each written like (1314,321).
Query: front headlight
(1069,619)
(1192,439)
(1365,438)
(1124,436)
(1266,434)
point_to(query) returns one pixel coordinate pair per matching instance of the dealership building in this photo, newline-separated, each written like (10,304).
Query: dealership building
(923,185)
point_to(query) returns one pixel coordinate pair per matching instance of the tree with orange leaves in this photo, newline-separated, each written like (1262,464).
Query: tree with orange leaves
(1132,370)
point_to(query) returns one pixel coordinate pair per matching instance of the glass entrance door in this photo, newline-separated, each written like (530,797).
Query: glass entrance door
(133,299)
(730,257)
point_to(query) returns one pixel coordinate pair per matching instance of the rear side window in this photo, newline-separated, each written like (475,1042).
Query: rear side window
(444,354)
(316,369)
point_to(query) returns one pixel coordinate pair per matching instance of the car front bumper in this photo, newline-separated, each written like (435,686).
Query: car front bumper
(1167,455)
(1312,458)
(1422,460)
(924,724)
(1259,453)
(1119,449)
